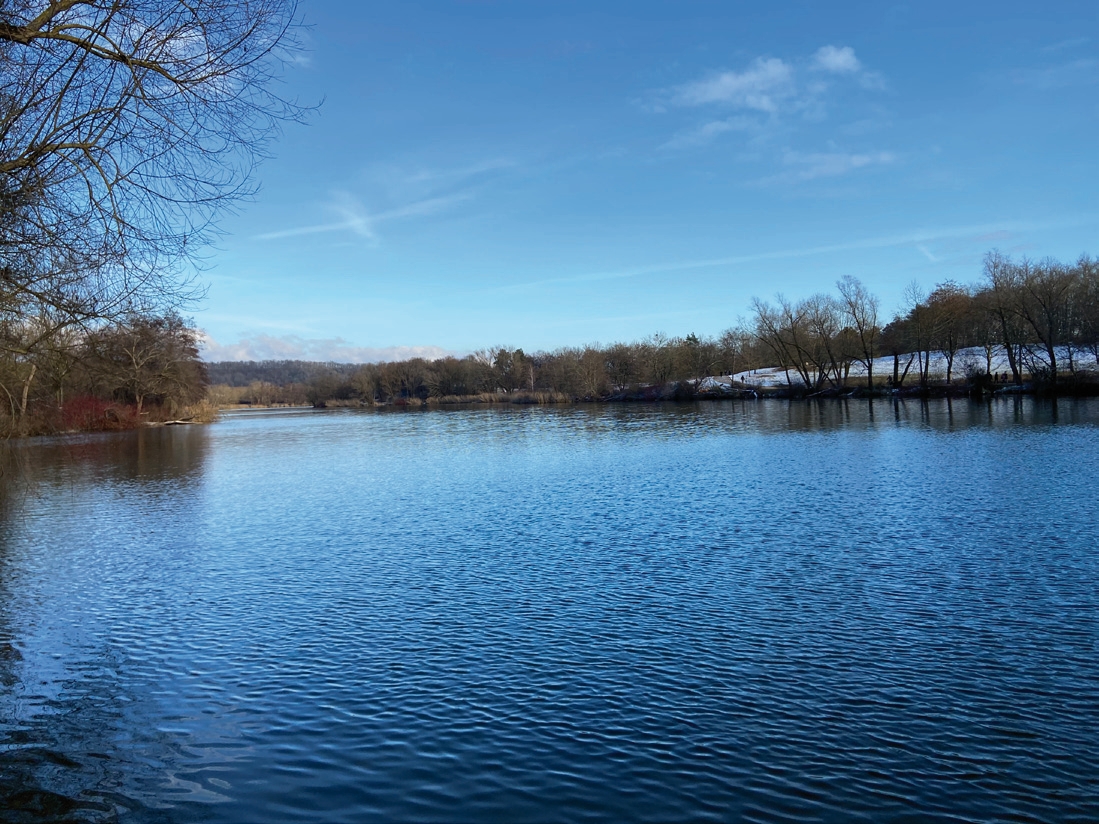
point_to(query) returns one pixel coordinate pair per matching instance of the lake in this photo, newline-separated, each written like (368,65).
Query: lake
(732,611)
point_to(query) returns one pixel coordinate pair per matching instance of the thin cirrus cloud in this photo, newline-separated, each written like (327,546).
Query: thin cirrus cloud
(979,234)
(354,218)
(707,132)
(1082,72)
(813,165)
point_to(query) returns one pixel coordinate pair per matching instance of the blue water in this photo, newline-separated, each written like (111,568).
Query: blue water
(741,611)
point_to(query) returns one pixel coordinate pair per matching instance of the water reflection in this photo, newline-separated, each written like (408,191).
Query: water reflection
(759,610)
(173,453)
(736,416)
(71,510)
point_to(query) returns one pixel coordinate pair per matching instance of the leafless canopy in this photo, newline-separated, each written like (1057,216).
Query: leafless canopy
(126,126)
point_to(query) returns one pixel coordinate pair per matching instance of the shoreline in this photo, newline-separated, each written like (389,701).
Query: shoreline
(680,393)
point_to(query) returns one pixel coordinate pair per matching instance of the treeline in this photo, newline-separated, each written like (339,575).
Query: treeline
(1042,317)
(495,374)
(140,368)
(1036,321)
(275,382)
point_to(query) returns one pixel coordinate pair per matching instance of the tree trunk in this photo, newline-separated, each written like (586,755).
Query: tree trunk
(907,366)
(1009,347)
(26,391)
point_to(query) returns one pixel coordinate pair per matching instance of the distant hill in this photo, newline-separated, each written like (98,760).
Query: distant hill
(280,373)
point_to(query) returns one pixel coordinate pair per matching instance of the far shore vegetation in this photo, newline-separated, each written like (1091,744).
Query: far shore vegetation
(1025,327)
(109,196)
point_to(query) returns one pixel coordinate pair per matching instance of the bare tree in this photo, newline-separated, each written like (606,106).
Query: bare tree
(149,357)
(823,347)
(777,334)
(657,358)
(1088,333)
(126,128)
(1001,276)
(860,309)
(1042,296)
(1048,291)
(919,323)
(949,307)
(735,346)
(623,364)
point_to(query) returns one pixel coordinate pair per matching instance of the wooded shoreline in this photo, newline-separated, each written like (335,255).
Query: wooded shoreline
(684,392)
(1026,328)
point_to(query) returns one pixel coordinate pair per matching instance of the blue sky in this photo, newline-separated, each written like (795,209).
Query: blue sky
(545,174)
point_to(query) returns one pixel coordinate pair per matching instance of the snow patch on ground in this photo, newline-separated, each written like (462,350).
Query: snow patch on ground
(972,359)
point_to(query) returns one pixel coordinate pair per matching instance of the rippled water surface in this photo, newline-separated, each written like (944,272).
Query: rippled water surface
(735,611)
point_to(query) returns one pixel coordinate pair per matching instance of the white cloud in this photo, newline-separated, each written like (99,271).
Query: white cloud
(294,347)
(1067,45)
(805,166)
(701,135)
(397,194)
(759,87)
(841,60)
(428,206)
(355,219)
(837,60)
(923,250)
(461,173)
(770,93)
(768,83)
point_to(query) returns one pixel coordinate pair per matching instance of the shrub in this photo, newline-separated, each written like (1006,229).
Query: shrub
(90,414)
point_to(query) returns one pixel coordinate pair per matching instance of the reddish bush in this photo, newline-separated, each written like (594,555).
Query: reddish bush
(90,414)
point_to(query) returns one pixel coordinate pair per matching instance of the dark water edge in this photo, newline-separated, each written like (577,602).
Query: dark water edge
(737,611)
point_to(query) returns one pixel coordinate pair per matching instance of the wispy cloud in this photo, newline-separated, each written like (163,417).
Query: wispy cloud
(352,217)
(355,219)
(803,166)
(1081,72)
(978,233)
(294,347)
(926,253)
(1067,45)
(462,172)
(303,61)
(403,194)
(761,87)
(771,85)
(701,135)
(429,206)
(770,95)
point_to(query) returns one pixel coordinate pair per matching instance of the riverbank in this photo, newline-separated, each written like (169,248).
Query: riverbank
(726,389)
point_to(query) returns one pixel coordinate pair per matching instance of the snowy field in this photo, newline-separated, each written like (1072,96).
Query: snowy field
(972,359)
